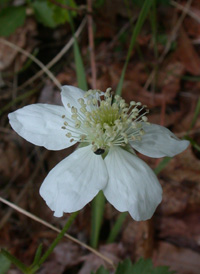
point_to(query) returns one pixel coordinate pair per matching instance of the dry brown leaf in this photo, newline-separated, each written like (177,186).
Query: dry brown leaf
(138,238)
(183,260)
(187,54)
(10,158)
(182,231)
(21,39)
(169,78)
(185,169)
(91,262)
(65,255)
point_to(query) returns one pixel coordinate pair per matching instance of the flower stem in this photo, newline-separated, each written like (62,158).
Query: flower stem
(97,215)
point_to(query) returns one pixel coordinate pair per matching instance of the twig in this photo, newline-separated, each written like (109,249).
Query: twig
(22,193)
(19,171)
(121,31)
(189,132)
(91,45)
(188,11)
(37,219)
(170,40)
(38,62)
(58,56)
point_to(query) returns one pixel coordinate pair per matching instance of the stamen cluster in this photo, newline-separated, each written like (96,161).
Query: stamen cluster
(105,120)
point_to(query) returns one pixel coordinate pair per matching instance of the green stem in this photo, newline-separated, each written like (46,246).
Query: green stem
(117,227)
(58,238)
(97,215)
(36,266)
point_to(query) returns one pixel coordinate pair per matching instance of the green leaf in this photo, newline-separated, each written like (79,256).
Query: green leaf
(60,14)
(4,264)
(51,15)
(10,19)
(101,270)
(97,215)
(44,13)
(163,270)
(15,261)
(125,267)
(142,266)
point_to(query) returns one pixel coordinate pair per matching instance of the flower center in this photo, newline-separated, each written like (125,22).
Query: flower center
(104,120)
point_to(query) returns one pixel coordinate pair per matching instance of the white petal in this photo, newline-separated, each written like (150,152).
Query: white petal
(74,182)
(70,95)
(159,142)
(132,185)
(41,125)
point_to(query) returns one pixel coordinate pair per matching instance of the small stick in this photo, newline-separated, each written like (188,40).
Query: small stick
(37,219)
(57,57)
(170,40)
(188,11)
(24,190)
(32,57)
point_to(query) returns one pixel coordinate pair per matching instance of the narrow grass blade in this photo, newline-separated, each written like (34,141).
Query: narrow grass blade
(117,227)
(137,28)
(196,114)
(193,143)
(80,71)
(97,215)
(153,19)
(15,261)
(58,238)
(162,165)
(17,100)
(37,255)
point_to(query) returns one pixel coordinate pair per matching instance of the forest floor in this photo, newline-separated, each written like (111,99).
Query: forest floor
(165,76)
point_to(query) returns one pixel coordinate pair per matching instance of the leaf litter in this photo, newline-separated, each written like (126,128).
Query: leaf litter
(172,236)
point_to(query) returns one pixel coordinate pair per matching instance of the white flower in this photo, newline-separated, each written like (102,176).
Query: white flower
(107,129)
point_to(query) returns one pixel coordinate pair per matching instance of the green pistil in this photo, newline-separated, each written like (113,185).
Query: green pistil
(102,123)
